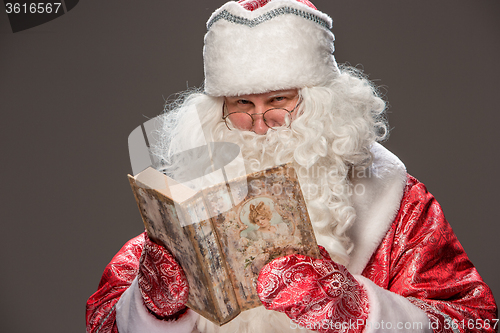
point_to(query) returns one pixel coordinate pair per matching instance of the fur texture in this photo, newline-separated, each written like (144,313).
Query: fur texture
(377,193)
(133,316)
(332,135)
(390,312)
(287,51)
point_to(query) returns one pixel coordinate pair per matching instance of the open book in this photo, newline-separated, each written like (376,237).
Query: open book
(224,234)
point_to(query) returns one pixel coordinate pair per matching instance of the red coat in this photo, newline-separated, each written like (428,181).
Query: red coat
(417,257)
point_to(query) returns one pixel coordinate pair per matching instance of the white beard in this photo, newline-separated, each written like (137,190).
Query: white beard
(309,144)
(341,123)
(263,151)
(260,152)
(323,178)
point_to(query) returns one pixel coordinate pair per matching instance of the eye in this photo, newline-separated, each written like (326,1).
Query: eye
(243,101)
(283,99)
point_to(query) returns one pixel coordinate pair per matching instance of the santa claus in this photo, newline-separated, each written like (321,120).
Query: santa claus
(390,261)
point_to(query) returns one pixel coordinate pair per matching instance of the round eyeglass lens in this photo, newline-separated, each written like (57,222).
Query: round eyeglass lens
(239,120)
(276,118)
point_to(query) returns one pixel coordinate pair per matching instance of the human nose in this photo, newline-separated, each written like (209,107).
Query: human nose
(259,125)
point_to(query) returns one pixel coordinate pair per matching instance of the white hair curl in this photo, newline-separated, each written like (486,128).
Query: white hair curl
(332,134)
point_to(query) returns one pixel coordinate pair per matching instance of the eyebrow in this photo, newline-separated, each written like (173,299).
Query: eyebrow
(283,93)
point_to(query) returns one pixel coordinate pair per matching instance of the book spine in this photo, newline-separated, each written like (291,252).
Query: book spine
(163,219)
(207,246)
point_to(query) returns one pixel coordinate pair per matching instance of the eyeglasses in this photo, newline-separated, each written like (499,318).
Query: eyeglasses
(273,118)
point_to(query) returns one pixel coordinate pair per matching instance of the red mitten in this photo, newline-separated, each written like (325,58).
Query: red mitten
(162,282)
(316,293)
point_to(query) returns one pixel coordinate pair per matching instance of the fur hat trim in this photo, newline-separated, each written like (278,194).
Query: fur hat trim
(284,44)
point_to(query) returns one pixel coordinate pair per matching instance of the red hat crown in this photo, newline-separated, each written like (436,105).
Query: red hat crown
(252,5)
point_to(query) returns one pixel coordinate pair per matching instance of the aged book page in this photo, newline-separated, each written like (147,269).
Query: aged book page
(271,221)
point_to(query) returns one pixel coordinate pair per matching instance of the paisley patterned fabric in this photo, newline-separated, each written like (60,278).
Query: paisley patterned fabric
(117,277)
(123,269)
(315,293)
(162,282)
(420,259)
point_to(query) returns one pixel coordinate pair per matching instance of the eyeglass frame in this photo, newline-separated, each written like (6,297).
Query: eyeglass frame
(224,107)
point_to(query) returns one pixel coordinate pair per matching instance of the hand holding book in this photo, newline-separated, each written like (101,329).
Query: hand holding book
(162,282)
(315,293)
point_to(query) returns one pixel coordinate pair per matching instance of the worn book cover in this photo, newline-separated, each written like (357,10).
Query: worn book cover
(224,234)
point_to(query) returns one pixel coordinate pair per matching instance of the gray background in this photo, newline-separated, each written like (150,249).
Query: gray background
(73,89)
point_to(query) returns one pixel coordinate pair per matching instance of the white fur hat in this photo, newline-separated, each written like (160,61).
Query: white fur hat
(256,46)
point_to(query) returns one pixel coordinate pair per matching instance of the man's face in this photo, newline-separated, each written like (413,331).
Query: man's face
(268,110)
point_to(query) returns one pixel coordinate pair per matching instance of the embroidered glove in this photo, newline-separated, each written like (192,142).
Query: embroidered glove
(162,282)
(317,294)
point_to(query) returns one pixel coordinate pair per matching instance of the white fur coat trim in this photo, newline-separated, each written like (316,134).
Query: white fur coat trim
(249,52)
(132,316)
(377,197)
(390,312)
